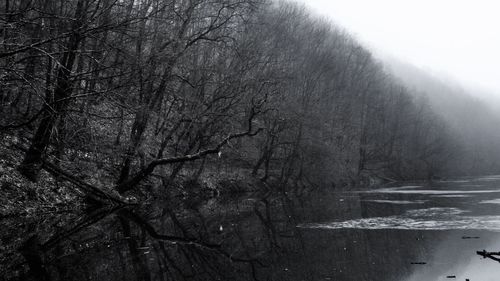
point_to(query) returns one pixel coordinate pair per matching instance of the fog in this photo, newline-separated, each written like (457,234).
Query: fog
(445,52)
(248,140)
(457,40)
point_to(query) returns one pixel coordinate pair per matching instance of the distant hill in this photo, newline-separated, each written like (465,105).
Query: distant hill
(472,115)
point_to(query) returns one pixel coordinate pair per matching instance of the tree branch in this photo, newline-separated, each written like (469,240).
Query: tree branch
(142,174)
(491,255)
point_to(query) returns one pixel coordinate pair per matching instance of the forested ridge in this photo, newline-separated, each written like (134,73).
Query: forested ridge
(113,94)
(473,121)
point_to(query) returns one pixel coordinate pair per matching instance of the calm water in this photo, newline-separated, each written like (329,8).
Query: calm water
(408,233)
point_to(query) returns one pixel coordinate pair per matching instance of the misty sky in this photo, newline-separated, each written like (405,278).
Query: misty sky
(455,38)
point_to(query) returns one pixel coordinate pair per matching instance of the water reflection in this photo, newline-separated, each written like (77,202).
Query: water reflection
(341,236)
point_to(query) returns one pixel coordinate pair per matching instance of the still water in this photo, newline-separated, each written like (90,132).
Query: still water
(407,233)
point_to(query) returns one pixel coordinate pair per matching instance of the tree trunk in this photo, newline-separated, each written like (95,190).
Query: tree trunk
(32,163)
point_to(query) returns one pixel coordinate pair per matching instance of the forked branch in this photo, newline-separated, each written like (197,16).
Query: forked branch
(148,170)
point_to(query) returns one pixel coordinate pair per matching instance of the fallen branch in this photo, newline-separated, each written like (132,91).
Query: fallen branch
(84,223)
(148,170)
(90,190)
(490,255)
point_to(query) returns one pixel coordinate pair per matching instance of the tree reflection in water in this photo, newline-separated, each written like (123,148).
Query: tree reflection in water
(248,238)
(240,239)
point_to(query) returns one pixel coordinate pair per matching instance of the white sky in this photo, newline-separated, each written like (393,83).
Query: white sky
(459,38)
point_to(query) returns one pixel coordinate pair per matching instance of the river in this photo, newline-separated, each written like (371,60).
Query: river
(405,232)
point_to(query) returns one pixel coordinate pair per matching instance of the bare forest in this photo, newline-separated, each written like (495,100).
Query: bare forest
(110,94)
(232,140)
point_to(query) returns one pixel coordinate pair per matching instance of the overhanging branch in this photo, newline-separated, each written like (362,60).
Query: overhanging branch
(143,173)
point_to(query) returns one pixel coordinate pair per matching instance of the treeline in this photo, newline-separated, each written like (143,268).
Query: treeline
(124,89)
(472,120)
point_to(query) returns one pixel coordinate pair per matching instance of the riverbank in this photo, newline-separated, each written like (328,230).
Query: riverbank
(21,197)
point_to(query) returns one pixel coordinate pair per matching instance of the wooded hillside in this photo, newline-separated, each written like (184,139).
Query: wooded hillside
(122,89)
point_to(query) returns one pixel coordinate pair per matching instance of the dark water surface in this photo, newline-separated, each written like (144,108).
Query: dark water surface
(408,233)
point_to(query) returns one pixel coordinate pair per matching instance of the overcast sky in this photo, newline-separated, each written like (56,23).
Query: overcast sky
(458,38)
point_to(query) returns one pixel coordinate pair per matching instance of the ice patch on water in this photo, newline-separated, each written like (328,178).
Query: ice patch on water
(431,191)
(488,178)
(422,219)
(456,181)
(452,196)
(493,201)
(434,212)
(397,188)
(398,202)
(407,187)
